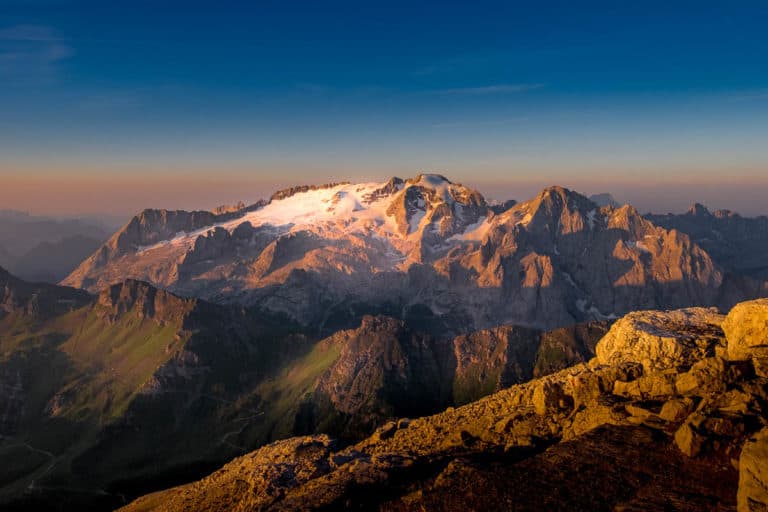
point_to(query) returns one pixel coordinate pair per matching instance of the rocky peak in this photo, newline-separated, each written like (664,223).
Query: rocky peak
(698,209)
(151,226)
(292,191)
(144,300)
(228,208)
(429,180)
(390,188)
(37,300)
(433,200)
(557,204)
(628,219)
(725,214)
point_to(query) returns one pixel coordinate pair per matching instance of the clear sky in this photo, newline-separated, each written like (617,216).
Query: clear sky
(113,106)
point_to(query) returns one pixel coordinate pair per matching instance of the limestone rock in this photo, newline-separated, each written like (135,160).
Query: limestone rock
(676,410)
(662,340)
(753,474)
(548,396)
(689,438)
(653,386)
(705,376)
(746,328)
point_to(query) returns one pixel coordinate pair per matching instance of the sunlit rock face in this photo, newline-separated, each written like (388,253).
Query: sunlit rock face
(738,244)
(662,339)
(323,255)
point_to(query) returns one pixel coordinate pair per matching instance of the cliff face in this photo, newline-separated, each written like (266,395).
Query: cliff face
(387,368)
(146,300)
(615,422)
(738,244)
(37,300)
(493,359)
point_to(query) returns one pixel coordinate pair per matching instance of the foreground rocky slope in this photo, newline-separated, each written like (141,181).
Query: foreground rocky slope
(656,421)
(138,388)
(325,255)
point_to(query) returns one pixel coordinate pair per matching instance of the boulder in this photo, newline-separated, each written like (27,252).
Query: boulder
(689,438)
(654,385)
(746,329)
(661,340)
(549,396)
(676,410)
(705,376)
(753,474)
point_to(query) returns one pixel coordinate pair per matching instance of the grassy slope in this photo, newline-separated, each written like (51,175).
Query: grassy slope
(95,367)
(282,395)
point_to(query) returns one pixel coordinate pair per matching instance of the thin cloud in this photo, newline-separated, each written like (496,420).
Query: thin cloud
(472,124)
(461,63)
(490,89)
(28,33)
(31,54)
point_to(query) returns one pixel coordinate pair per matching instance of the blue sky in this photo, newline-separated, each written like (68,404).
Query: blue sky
(504,95)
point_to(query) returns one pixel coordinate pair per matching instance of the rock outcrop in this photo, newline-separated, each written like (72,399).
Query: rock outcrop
(37,300)
(746,328)
(658,340)
(753,474)
(146,300)
(498,452)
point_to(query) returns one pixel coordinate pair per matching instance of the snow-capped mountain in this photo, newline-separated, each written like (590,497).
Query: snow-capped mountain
(325,254)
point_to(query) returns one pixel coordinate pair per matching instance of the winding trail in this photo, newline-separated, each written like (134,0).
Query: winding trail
(246,421)
(53,460)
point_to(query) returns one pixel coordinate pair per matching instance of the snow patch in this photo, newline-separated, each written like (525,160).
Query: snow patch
(474,232)
(413,224)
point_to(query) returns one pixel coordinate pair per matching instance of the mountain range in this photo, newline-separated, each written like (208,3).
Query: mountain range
(47,249)
(325,255)
(189,338)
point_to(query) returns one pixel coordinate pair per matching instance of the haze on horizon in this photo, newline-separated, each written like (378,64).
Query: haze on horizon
(108,109)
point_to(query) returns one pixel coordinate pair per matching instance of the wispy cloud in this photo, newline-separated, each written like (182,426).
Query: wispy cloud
(462,63)
(489,89)
(480,123)
(31,53)
(28,33)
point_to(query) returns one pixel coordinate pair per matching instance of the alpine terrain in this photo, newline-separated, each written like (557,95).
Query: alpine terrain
(529,337)
(324,255)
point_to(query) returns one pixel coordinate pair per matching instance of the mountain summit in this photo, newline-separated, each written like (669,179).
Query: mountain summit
(323,255)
